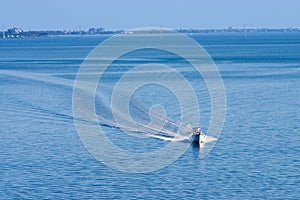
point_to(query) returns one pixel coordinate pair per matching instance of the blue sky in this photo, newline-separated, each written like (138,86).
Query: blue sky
(126,14)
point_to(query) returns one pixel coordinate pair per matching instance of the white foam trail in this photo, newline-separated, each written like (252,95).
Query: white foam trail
(175,139)
(142,127)
(38,77)
(209,139)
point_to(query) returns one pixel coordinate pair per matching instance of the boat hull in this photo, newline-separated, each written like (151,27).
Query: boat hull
(198,138)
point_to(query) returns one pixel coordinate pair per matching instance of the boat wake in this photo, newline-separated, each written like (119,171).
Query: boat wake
(144,120)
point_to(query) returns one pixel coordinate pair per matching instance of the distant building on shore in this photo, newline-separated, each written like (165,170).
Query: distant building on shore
(13,33)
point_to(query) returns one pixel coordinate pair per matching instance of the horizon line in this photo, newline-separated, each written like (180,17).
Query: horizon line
(120,29)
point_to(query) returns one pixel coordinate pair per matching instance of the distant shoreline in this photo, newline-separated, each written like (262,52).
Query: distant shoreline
(20,33)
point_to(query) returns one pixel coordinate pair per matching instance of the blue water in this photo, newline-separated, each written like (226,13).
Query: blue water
(256,156)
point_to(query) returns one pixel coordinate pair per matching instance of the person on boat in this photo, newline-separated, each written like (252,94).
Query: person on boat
(198,130)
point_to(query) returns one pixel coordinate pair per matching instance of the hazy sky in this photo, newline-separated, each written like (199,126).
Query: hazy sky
(126,14)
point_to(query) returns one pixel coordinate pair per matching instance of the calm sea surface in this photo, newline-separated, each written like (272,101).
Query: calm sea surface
(256,156)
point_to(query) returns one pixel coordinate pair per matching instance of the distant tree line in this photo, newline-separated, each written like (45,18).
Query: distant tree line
(231,29)
(19,33)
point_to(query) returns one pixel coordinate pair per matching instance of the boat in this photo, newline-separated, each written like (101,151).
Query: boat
(198,136)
